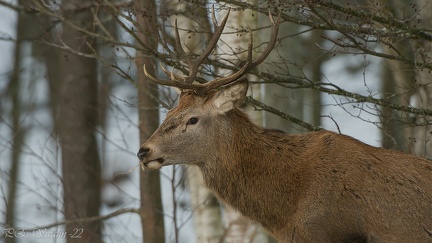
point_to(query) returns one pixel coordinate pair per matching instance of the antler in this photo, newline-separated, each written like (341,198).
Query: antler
(193,64)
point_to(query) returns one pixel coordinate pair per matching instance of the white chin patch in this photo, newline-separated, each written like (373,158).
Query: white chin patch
(153,165)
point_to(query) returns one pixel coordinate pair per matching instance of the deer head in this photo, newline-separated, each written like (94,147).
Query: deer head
(189,131)
(183,138)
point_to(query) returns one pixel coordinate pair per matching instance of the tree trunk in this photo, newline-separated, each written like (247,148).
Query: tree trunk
(315,70)
(77,114)
(206,208)
(286,100)
(393,130)
(14,89)
(151,210)
(397,79)
(422,133)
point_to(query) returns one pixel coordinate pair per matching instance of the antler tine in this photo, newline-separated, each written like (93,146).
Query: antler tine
(178,46)
(216,35)
(195,64)
(173,82)
(271,43)
(171,74)
(233,77)
(249,64)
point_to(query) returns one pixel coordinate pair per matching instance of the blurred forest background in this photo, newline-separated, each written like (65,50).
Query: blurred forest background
(75,105)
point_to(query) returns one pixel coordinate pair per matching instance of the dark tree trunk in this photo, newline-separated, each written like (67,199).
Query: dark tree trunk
(151,202)
(14,90)
(77,117)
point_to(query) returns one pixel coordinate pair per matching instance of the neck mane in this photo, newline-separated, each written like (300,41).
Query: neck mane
(240,166)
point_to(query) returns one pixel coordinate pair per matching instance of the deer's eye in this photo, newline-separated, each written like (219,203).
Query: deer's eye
(192,121)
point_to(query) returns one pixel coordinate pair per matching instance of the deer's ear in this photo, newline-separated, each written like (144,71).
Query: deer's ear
(230,96)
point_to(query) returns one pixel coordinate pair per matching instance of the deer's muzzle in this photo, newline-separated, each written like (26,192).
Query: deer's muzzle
(142,153)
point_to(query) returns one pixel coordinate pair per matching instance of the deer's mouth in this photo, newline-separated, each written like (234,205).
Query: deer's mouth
(154,164)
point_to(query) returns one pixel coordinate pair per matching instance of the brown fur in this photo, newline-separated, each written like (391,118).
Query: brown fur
(316,187)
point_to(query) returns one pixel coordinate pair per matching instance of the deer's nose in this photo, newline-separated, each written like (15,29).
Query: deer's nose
(142,153)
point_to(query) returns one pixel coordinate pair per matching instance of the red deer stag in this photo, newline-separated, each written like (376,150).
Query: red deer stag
(316,187)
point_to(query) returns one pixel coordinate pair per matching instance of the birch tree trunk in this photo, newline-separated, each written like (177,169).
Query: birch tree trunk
(206,208)
(151,209)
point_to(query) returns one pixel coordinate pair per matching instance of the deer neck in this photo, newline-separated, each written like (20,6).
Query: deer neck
(243,169)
